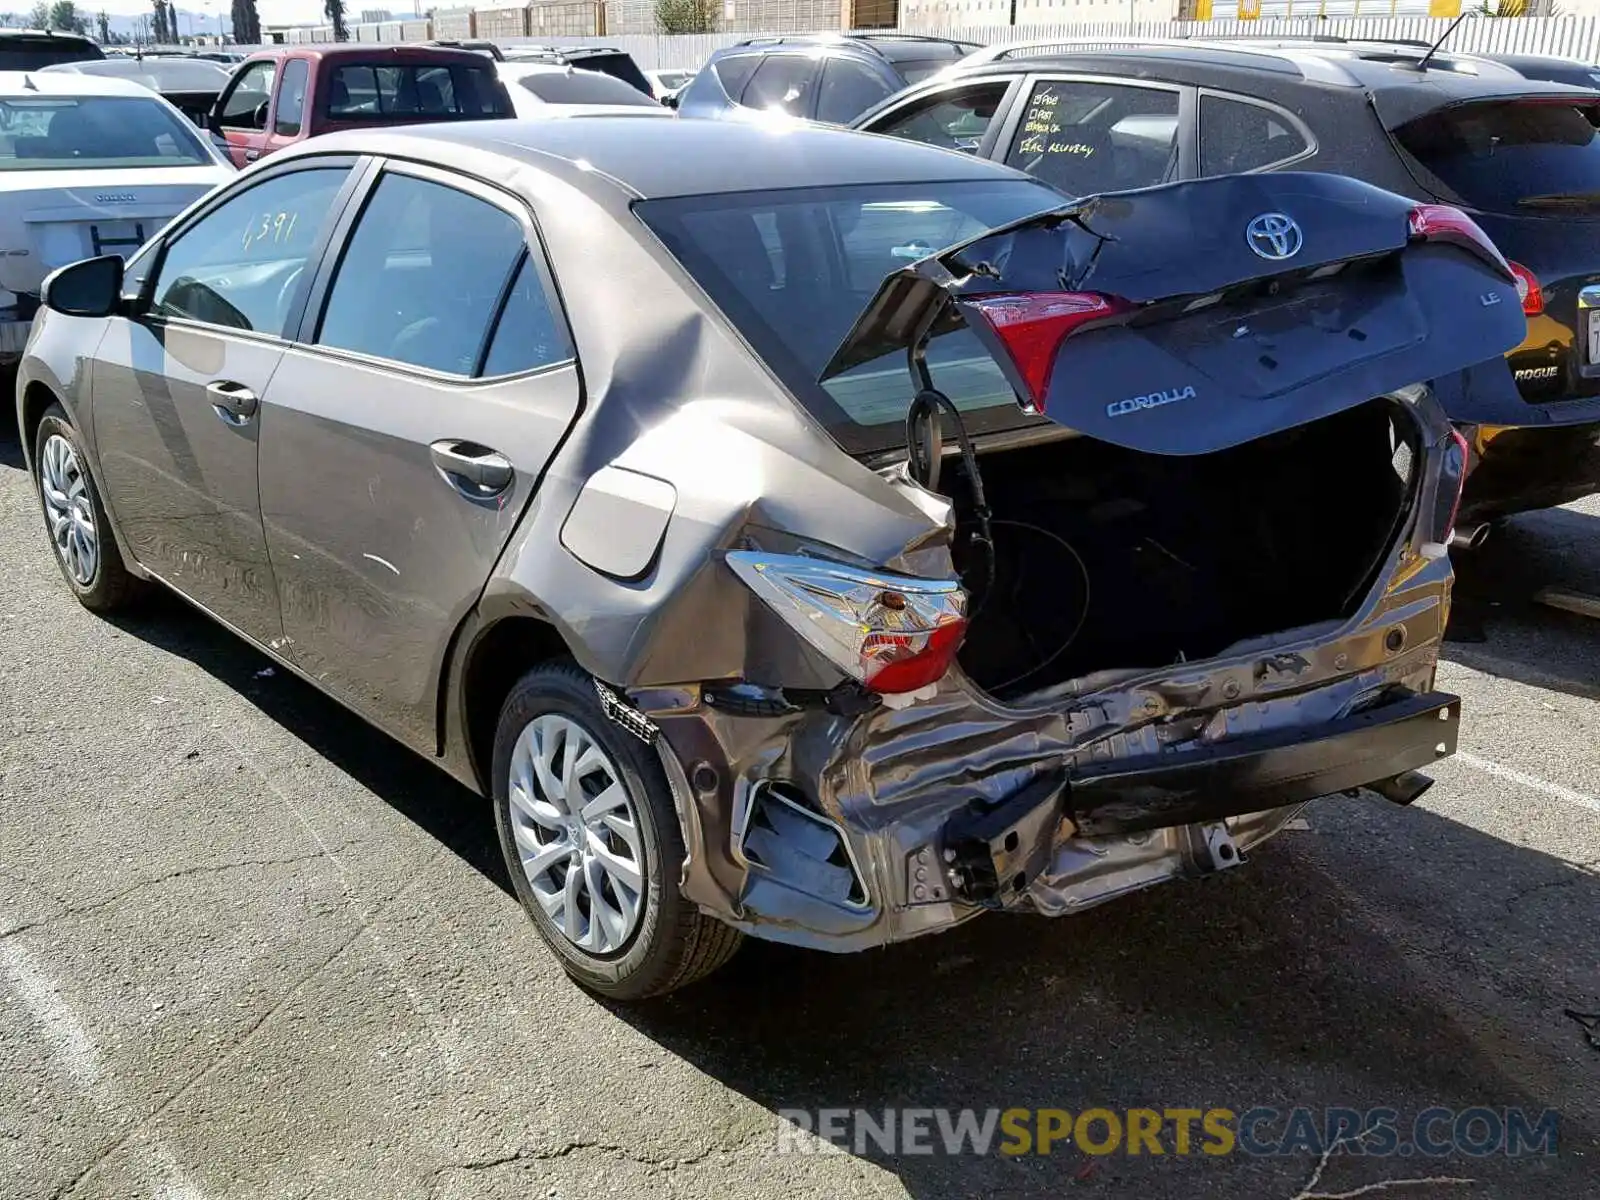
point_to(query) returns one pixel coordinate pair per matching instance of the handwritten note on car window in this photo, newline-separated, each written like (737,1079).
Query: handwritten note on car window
(269,229)
(1047,125)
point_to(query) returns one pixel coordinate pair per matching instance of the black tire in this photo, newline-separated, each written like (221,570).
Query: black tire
(111,586)
(674,943)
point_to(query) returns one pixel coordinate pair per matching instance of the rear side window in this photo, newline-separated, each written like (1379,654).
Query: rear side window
(1238,136)
(848,89)
(794,269)
(1086,137)
(1510,157)
(782,83)
(422,277)
(375,93)
(291,98)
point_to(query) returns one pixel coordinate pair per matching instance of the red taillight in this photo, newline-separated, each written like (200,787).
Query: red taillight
(1454,479)
(896,663)
(1444,223)
(1528,288)
(1032,326)
(894,634)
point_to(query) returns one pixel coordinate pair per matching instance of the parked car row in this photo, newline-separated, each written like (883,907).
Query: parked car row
(829,537)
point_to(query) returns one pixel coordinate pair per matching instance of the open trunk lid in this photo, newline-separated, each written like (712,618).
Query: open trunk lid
(1189,318)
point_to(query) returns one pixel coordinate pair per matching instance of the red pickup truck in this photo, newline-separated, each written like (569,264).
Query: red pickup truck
(277,98)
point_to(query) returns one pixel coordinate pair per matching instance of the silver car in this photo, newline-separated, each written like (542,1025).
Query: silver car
(794,532)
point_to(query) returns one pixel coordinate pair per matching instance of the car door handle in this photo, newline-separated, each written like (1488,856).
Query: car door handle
(234,402)
(251,155)
(489,470)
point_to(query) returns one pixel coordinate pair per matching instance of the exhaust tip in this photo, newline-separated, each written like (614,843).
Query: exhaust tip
(1403,788)
(1471,537)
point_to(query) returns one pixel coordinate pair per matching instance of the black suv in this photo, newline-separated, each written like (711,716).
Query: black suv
(1521,156)
(823,77)
(30,49)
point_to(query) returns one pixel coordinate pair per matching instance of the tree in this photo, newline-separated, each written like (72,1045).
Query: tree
(335,11)
(103,23)
(64,16)
(39,15)
(687,16)
(163,29)
(246,22)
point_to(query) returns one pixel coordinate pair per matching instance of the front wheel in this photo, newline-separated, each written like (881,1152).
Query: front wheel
(591,841)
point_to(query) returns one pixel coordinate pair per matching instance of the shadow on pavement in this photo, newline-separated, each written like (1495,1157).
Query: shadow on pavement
(1267,987)
(457,817)
(10,441)
(1496,625)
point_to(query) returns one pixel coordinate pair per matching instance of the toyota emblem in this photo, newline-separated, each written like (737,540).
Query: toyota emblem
(1274,235)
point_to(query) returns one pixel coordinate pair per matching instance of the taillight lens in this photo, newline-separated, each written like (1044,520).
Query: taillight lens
(892,633)
(1444,223)
(1528,288)
(1032,325)
(1452,479)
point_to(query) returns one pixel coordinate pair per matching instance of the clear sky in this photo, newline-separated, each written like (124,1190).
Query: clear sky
(272,11)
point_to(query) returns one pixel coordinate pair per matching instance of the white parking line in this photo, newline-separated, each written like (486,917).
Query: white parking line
(74,1049)
(1543,786)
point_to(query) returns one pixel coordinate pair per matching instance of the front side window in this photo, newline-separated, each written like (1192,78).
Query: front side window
(66,133)
(782,83)
(291,98)
(238,266)
(1086,137)
(246,105)
(848,89)
(956,120)
(422,276)
(792,270)
(1238,136)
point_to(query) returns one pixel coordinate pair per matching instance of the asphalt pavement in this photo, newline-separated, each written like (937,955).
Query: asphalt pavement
(250,948)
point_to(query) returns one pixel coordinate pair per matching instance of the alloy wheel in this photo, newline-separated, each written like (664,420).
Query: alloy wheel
(576,833)
(68,508)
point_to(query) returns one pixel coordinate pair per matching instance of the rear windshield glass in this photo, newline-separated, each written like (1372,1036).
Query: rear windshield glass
(1510,157)
(60,133)
(582,87)
(794,269)
(618,66)
(358,93)
(920,69)
(29,54)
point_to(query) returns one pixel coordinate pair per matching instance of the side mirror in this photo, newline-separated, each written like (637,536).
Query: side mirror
(91,288)
(670,100)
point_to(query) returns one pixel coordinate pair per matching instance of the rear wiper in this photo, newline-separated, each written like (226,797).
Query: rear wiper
(1561,200)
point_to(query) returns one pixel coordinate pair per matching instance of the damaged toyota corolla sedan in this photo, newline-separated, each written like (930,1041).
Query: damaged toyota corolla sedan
(795,533)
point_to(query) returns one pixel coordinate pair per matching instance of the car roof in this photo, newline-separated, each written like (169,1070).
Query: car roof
(678,157)
(1387,67)
(895,47)
(372,52)
(39,35)
(17,84)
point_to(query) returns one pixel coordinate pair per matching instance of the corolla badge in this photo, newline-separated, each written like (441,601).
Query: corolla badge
(115,198)
(1133,404)
(1274,235)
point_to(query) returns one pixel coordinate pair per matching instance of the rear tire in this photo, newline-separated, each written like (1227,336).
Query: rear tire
(591,841)
(75,519)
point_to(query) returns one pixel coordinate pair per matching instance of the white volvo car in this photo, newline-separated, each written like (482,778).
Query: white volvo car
(88,166)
